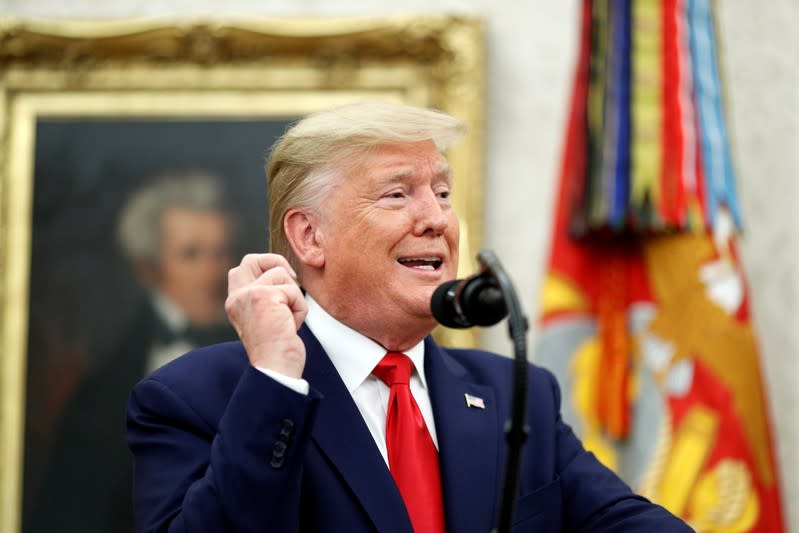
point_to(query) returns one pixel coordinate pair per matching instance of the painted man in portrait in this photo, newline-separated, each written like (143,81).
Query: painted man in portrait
(176,232)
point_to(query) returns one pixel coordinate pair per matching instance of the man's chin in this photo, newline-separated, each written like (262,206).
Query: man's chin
(421,312)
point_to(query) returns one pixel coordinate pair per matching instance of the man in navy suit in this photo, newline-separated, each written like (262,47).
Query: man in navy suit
(286,430)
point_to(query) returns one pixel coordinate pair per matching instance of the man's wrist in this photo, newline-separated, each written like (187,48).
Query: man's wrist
(296,384)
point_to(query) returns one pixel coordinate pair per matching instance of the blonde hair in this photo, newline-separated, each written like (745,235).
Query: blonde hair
(312,154)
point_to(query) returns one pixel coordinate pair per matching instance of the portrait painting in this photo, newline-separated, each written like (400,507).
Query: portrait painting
(132,163)
(104,310)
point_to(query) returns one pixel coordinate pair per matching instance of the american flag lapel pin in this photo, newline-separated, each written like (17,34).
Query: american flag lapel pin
(474,401)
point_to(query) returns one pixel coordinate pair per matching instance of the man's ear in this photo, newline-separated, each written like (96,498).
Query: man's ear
(302,231)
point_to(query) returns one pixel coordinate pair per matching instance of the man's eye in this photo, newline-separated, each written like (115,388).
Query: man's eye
(444,195)
(190,253)
(396,195)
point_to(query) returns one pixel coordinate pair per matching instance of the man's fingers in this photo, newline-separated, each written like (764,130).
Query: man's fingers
(297,303)
(258,298)
(267,307)
(252,266)
(267,261)
(276,276)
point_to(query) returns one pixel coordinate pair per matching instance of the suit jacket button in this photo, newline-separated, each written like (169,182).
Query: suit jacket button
(279,449)
(278,454)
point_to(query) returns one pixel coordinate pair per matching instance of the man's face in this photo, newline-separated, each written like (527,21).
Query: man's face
(390,237)
(195,259)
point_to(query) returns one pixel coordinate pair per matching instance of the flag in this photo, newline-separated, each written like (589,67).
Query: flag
(645,314)
(474,401)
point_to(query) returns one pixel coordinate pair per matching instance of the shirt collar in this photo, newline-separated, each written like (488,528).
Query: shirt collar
(170,312)
(353,354)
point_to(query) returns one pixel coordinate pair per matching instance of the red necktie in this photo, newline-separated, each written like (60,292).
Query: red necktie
(412,456)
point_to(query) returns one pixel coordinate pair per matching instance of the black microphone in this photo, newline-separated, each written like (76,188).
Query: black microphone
(463,303)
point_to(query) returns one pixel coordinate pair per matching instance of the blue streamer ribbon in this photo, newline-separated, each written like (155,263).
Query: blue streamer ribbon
(719,182)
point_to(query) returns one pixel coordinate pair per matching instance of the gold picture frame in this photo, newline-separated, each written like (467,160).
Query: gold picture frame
(206,70)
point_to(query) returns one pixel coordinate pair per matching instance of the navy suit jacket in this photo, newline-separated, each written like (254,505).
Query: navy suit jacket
(219,446)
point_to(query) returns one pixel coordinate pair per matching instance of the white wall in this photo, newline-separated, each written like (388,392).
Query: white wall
(763,96)
(531,47)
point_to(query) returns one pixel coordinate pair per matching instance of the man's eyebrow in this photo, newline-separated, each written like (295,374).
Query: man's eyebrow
(443,173)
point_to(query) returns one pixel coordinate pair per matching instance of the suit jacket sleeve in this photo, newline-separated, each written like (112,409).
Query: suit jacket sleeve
(594,497)
(241,472)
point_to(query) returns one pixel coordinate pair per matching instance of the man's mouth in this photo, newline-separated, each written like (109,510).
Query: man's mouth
(427,262)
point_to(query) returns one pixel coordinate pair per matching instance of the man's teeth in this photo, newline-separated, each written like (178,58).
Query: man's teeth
(421,263)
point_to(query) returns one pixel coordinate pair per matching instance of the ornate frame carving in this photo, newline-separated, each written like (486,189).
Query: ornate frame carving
(263,68)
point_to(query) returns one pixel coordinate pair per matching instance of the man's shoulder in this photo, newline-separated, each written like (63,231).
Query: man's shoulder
(204,369)
(492,366)
(473,358)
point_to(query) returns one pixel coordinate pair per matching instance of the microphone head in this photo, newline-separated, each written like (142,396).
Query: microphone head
(482,302)
(475,301)
(442,304)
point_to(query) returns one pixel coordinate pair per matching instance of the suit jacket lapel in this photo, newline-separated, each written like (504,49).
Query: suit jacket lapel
(468,443)
(342,436)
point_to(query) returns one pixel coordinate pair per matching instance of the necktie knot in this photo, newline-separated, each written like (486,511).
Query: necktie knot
(394,369)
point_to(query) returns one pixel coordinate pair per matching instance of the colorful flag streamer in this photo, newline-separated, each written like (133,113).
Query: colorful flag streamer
(645,311)
(658,158)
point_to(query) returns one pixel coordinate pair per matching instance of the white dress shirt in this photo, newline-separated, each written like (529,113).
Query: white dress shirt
(355,356)
(175,320)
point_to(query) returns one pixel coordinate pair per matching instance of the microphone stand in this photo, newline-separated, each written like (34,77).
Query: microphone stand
(516,428)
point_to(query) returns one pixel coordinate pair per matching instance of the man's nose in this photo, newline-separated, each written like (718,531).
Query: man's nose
(430,215)
(214,264)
